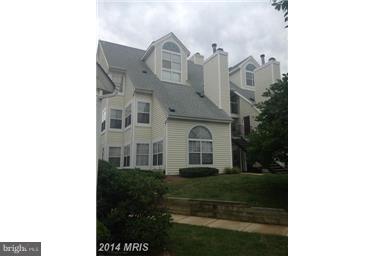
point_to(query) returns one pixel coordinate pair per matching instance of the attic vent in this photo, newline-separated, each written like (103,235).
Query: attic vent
(171,109)
(144,71)
(201,94)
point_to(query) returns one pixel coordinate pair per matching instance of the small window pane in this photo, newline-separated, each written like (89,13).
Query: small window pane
(176,66)
(116,124)
(194,158)
(200,132)
(115,161)
(206,147)
(114,151)
(166,64)
(143,107)
(166,75)
(116,114)
(171,47)
(160,159)
(175,58)
(250,67)
(142,149)
(142,160)
(160,147)
(194,146)
(175,77)
(166,56)
(207,158)
(143,118)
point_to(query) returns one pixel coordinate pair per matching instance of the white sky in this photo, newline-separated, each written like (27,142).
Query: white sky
(240,28)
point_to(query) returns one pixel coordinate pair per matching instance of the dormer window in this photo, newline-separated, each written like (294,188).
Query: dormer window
(249,76)
(171,64)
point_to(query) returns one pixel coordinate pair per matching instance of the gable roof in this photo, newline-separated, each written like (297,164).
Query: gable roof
(167,36)
(183,99)
(238,65)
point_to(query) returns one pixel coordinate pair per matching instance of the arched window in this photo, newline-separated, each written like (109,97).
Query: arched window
(200,149)
(249,76)
(171,64)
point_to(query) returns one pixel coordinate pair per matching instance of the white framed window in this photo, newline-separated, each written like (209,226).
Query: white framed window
(128,116)
(200,146)
(114,156)
(127,156)
(118,80)
(171,62)
(103,119)
(157,153)
(249,75)
(115,120)
(143,112)
(142,154)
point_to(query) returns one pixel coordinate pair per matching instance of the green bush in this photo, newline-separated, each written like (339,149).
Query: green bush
(234,170)
(198,172)
(130,204)
(103,234)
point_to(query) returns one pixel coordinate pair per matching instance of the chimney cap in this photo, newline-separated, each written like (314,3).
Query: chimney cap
(262,55)
(220,49)
(271,59)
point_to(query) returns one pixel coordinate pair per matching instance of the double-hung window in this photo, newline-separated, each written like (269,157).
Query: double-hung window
(142,154)
(143,112)
(127,156)
(114,156)
(127,116)
(158,153)
(200,148)
(249,75)
(115,120)
(171,62)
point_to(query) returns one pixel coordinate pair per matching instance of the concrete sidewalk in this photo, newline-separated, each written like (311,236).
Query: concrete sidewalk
(231,225)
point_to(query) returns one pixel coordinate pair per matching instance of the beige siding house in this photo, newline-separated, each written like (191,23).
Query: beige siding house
(172,111)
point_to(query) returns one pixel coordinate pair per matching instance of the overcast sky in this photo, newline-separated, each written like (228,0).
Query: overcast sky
(240,28)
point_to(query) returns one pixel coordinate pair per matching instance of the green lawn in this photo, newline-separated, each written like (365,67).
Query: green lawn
(268,190)
(200,241)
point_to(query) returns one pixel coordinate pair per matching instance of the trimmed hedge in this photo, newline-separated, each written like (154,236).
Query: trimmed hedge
(130,207)
(198,172)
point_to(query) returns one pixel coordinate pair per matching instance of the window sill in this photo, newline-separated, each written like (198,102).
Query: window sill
(143,125)
(115,130)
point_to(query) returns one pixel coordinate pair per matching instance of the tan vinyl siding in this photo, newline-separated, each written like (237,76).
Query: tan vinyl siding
(158,120)
(264,77)
(177,146)
(235,78)
(115,138)
(225,105)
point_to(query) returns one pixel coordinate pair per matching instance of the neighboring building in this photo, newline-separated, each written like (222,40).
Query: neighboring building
(171,112)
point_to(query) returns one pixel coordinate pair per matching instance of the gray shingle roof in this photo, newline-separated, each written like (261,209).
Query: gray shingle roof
(183,99)
(250,95)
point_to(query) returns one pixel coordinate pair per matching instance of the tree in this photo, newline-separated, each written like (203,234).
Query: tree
(282,5)
(269,141)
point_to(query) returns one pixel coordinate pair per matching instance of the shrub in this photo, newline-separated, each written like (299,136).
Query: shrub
(130,204)
(103,233)
(198,172)
(234,170)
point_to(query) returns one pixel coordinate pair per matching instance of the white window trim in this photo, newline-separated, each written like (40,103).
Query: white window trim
(130,157)
(158,166)
(149,154)
(129,126)
(170,70)
(137,112)
(201,159)
(109,120)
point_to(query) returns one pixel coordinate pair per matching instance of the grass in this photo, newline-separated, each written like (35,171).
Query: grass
(268,190)
(194,240)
